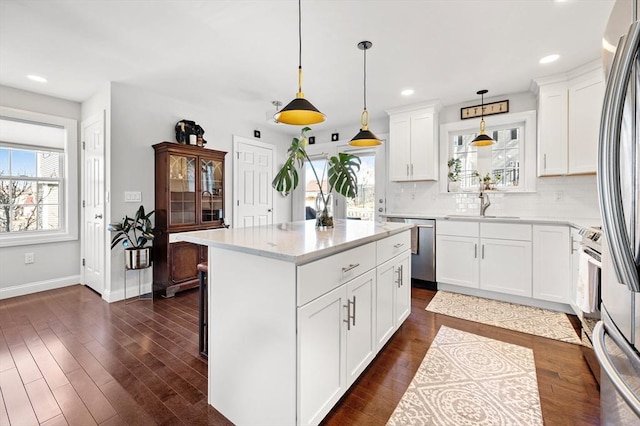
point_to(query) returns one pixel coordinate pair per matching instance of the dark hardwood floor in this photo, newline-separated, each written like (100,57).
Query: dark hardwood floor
(67,357)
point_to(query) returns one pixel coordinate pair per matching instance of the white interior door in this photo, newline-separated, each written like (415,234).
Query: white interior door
(253,173)
(93,230)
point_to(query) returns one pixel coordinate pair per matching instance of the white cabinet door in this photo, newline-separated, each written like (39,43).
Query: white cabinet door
(361,343)
(585,107)
(321,355)
(423,147)
(457,260)
(399,147)
(403,288)
(386,279)
(551,263)
(506,266)
(552,130)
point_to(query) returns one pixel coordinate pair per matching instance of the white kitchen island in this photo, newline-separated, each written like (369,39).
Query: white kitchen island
(296,314)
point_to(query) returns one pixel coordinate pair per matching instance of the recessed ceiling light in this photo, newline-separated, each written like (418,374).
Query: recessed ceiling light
(549,59)
(37,78)
(407,92)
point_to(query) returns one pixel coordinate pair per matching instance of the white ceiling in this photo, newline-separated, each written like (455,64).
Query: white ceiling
(213,52)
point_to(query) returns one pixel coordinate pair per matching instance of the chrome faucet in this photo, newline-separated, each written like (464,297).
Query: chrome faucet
(484,202)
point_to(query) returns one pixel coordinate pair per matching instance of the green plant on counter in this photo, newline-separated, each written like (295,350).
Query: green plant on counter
(341,169)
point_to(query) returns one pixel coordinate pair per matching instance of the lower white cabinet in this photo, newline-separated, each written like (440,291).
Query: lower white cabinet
(505,266)
(552,266)
(470,254)
(341,330)
(457,260)
(393,296)
(336,345)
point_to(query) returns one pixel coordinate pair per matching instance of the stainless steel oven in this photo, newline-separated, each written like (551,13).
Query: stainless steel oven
(588,294)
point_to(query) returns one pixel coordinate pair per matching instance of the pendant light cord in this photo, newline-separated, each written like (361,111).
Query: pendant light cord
(365,79)
(299,45)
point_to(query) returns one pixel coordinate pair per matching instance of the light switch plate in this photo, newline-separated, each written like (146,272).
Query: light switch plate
(132,196)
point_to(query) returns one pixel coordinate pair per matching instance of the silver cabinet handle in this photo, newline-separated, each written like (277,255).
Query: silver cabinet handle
(351,266)
(354,310)
(98,216)
(609,368)
(407,169)
(475,251)
(483,251)
(411,169)
(544,167)
(350,316)
(399,272)
(348,306)
(609,154)
(398,245)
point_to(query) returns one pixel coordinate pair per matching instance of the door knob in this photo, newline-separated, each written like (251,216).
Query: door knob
(380,209)
(98,216)
(269,210)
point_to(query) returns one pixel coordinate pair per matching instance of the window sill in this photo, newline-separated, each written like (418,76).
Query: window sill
(40,238)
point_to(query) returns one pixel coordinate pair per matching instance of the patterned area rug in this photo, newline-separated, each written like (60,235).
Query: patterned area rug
(526,319)
(467,379)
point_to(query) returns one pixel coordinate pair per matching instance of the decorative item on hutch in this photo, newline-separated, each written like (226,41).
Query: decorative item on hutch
(341,173)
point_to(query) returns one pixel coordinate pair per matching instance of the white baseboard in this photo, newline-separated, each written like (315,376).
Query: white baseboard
(23,289)
(117,295)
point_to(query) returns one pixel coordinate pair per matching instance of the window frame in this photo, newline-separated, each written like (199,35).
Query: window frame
(526,119)
(69,214)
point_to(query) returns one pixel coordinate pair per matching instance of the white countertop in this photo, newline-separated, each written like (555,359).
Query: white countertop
(298,242)
(576,222)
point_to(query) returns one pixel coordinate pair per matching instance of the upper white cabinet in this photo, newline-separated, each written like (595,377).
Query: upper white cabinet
(413,142)
(569,107)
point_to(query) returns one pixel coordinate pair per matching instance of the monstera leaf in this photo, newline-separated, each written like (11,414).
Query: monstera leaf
(343,177)
(287,179)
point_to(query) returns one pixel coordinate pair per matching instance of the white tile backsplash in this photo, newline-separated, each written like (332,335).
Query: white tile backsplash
(557,197)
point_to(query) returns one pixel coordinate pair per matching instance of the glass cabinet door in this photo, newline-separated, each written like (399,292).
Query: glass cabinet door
(211,191)
(182,187)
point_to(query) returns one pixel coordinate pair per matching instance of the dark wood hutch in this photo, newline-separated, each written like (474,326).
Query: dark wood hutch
(189,191)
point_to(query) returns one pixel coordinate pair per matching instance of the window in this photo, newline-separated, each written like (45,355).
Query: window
(507,165)
(38,194)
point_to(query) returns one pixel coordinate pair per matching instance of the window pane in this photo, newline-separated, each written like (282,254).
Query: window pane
(4,161)
(24,217)
(49,216)
(362,206)
(23,163)
(4,218)
(48,164)
(48,193)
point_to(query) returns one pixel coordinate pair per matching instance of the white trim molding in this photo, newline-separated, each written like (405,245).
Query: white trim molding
(24,289)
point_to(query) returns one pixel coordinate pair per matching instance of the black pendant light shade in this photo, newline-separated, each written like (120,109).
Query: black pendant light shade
(365,137)
(482,139)
(299,111)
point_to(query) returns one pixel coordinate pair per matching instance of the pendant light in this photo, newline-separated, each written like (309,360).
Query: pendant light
(365,137)
(482,139)
(299,111)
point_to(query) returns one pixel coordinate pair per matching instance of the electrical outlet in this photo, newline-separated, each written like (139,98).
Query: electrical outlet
(29,258)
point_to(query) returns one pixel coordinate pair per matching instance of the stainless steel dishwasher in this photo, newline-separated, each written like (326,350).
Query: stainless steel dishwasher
(423,250)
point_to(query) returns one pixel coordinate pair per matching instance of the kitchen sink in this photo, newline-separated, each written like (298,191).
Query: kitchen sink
(468,216)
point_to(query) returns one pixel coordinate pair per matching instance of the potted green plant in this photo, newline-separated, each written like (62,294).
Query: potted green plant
(134,233)
(341,172)
(455,166)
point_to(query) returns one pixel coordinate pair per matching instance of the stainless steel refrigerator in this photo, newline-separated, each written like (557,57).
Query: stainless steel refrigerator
(616,338)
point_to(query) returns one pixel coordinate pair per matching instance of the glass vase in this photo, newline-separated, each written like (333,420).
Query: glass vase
(324,211)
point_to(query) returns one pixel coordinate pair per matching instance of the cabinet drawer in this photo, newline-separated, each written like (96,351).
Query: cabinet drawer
(392,246)
(457,228)
(319,277)
(506,231)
